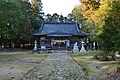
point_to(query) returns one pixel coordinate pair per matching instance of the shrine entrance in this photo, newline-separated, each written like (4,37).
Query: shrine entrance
(59,43)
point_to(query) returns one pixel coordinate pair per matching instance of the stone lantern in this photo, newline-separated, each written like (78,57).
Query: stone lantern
(83,48)
(35,46)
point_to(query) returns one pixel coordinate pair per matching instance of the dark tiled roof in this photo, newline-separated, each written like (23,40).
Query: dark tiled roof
(60,29)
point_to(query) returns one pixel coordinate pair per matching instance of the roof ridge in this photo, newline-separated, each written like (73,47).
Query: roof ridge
(41,27)
(59,23)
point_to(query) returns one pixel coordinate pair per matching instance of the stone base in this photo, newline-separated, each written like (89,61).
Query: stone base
(82,49)
(75,50)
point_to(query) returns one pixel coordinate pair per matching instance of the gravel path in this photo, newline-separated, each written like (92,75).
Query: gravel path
(58,66)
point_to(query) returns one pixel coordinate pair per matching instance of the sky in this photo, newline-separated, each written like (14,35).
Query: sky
(63,7)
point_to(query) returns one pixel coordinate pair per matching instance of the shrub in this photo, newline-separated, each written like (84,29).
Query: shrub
(100,56)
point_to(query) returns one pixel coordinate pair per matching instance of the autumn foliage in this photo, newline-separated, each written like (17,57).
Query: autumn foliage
(104,18)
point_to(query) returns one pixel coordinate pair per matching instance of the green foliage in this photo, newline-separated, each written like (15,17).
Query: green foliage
(58,18)
(110,36)
(10,15)
(77,13)
(17,21)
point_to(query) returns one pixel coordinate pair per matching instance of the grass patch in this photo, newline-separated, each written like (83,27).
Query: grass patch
(99,69)
(88,53)
(84,62)
(12,57)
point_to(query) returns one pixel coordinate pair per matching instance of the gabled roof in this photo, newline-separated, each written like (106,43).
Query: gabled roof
(60,29)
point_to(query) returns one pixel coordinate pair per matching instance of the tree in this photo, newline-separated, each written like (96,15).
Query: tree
(48,18)
(104,18)
(77,13)
(88,9)
(110,33)
(29,22)
(61,18)
(37,17)
(37,6)
(55,17)
(10,15)
(17,22)
(58,18)
(70,18)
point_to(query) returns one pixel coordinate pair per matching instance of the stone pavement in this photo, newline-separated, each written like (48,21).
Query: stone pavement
(58,66)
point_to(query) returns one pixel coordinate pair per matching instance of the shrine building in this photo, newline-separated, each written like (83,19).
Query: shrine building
(57,35)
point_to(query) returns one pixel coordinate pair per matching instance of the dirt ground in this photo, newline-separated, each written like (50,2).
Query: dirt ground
(14,70)
(13,66)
